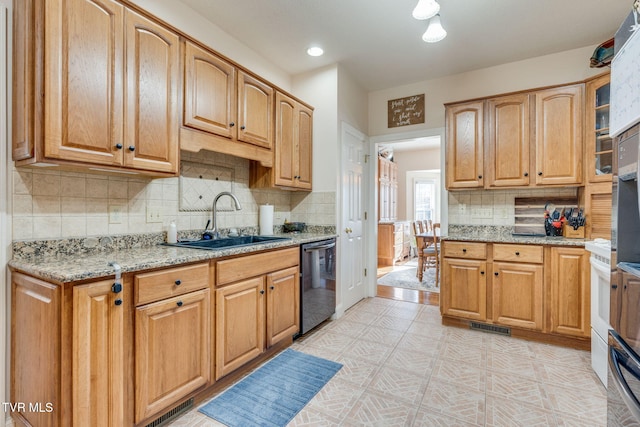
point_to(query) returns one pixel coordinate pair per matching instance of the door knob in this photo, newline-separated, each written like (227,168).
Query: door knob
(348,230)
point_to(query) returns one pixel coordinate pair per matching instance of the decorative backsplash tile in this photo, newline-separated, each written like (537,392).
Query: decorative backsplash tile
(200,183)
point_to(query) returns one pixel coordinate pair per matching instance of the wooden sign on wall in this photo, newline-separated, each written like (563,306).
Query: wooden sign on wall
(405,111)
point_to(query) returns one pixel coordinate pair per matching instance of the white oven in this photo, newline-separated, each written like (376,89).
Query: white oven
(600,279)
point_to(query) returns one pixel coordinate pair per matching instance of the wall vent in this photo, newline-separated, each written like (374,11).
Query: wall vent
(500,330)
(172,414)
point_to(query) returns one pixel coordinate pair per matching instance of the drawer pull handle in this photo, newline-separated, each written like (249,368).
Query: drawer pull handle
(517,253)
(464,250)
(118,302)
(178,282)
(179,303)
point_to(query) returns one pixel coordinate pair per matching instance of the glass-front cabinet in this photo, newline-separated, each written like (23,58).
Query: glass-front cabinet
(599,144)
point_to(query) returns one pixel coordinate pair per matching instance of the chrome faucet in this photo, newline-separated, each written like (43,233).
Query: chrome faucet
(213,232)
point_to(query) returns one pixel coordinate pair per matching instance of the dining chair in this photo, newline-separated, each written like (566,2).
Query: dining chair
(427,225)
(432,253)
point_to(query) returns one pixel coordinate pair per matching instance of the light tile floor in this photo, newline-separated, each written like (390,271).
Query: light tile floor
(403,368)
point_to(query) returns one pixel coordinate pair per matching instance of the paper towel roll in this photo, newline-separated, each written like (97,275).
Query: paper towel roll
(266,220)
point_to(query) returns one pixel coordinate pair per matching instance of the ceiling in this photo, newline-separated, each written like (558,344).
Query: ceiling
(379,43)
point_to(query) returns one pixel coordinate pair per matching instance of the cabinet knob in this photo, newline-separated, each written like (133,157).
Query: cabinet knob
(272,287)
(614,286)
(479,176)
(179,303)
(116,288)
(118,302)
(119,146)
(132,148)
(526,174)
(232,124)
(178,282)
(517,253)
(261,291)
(539,173)
(482,272)
(243,127)
(496,273)
(464,250)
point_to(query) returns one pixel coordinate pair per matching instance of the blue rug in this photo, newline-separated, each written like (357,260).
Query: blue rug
(273,394)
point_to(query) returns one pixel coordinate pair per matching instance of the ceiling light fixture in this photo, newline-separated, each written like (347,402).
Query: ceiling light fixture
(426,9)
(315,51)
(434,32)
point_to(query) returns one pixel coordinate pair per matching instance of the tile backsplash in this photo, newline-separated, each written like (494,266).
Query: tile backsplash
(495,207)
(49,203)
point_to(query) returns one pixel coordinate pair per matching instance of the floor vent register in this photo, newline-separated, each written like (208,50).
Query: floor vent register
(500,330)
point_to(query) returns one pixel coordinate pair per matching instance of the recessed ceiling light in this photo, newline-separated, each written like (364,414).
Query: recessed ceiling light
(315,51)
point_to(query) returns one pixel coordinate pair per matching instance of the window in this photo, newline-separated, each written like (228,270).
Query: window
(424,197)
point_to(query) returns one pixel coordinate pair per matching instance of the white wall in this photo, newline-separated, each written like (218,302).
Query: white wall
(192,23)
(559,68)
(352,101)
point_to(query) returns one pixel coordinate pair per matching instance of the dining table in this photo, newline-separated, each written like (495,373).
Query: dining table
(423,240)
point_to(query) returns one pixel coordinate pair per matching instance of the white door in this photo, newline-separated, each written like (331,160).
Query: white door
(352,242)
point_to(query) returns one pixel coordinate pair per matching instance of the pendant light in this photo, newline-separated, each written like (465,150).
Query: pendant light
(426,9)
(434,32)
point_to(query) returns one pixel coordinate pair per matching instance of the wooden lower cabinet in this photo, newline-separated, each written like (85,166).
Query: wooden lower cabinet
(283,307)
(570,298)
(517,295)
(79,370)
(464,288)
(239,324)
(172,349)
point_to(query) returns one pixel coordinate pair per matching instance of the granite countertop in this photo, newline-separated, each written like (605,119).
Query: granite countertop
(73,267)
(504,234)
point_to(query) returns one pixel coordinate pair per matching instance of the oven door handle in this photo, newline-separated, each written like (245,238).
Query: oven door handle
(621,384)
(317,248)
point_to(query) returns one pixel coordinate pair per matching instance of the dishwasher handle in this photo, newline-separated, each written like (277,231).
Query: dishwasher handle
(320,247)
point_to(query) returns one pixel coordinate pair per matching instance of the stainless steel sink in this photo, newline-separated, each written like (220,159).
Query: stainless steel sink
(228,242)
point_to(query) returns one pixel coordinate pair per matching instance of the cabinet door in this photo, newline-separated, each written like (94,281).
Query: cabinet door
(151,110)
(508,144)
(598,142)
(464,288)
(84,70)
(171,352)
(285,140)
(101,364)
(239,324)
(465,145)
(255,111)
(36,351)
(283,305)
(304,149)
(517,295)
(570,296)
(558,135)
(209,92)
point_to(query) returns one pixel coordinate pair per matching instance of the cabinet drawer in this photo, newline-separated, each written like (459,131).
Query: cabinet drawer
(521,253)
(244,267)
(465,250)
(157,285)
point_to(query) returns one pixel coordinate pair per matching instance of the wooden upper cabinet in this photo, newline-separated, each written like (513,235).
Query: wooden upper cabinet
(465,145)
(255,111)
(83,68)
(70,105)
(209,92)
(293,147)
(151,109)
(598,142)
(225,109)
(508,145)
(558,137)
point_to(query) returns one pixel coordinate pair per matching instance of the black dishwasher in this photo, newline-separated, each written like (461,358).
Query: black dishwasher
(317,283)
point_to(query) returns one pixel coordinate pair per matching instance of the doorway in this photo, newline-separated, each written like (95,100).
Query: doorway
(416,194)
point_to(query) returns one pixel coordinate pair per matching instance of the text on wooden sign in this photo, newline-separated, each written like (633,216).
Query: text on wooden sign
(405,111)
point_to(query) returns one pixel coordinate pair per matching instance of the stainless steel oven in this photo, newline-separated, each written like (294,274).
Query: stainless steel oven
(317,283)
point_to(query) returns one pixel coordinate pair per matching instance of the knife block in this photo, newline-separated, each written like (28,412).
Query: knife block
(570,233)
